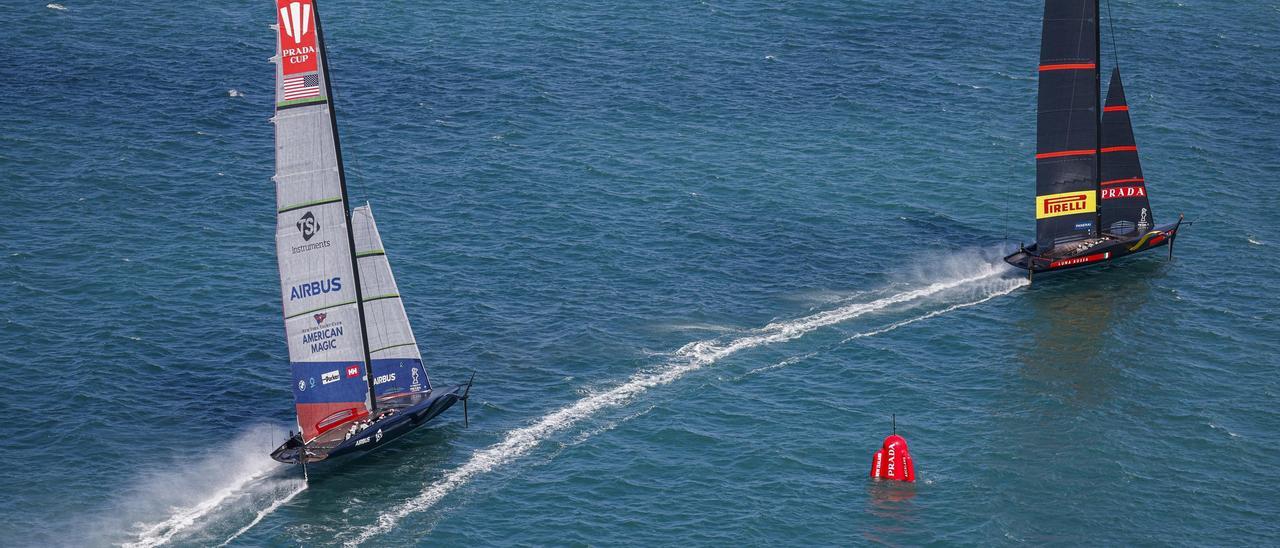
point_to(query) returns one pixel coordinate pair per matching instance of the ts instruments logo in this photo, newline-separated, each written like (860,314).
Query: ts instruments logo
(1066,203)
(297,36)
(308,226)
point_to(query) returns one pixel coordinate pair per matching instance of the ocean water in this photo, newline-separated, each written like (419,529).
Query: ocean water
(696,253)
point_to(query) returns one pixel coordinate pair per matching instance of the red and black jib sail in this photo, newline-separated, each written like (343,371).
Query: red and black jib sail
(1067,124)
(1123,192)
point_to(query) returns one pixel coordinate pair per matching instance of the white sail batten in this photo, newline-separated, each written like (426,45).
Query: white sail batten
(397,363)
(318,286)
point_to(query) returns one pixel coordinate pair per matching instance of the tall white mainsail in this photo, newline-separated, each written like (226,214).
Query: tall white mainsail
(397,364)
(313,245)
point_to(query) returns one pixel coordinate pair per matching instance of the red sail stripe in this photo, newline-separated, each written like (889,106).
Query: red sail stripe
(1062,153)
(1130,148)
(1069,66)
(1123,181)
(1117,108)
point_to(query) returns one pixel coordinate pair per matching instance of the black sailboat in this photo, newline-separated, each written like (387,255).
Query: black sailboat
(1091,198)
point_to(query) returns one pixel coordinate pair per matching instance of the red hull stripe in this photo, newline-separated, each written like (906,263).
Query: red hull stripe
(1117,108)
(1069,66)
(1130,148)
(1122,181)
(1062,153)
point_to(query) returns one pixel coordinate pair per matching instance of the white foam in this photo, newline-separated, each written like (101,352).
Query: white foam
(1001,287)
(1009,287)
(233,92)
(58,7)
(302,486)
(195,494)
(1224,429)
(689,358)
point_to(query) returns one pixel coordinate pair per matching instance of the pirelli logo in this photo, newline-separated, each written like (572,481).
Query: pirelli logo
(1067,203)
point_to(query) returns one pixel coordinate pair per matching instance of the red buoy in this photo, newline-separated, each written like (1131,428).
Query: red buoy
(893,460)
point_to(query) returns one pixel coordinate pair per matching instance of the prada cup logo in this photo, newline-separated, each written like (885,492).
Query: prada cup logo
(297,20)
(308,226)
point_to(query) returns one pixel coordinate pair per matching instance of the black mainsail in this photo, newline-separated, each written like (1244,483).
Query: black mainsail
(1067,124)
(1091,197)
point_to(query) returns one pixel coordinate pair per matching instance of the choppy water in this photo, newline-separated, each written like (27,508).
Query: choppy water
(697,254)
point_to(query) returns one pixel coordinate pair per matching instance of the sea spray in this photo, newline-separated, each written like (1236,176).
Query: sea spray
(212,486)
(689,358)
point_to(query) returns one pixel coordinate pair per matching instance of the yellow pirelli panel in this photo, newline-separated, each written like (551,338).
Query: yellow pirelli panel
(1067,203)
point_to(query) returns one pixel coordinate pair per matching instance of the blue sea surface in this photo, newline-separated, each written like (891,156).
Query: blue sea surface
(696,253)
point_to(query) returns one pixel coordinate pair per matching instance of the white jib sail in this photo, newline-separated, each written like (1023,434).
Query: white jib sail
(397,364)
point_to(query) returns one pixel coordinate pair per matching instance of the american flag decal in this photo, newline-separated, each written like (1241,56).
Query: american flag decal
(301,87)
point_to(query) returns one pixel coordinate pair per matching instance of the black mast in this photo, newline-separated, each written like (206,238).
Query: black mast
(346,209)
(1097,95)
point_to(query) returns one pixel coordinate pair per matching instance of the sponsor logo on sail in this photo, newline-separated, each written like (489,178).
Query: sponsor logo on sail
(323,337)
(312,289)
(330,377)
(389,377)
(297,36)
(1066,203)
(416,383)
(302,385)
(1124,192)
(1085,225)
(320,318)
(353,371)
(309,227)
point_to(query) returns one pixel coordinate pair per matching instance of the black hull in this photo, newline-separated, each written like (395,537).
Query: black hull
(408,417)
(1103,252)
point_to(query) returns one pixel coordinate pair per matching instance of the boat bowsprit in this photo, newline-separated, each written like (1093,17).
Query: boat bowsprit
(1091,196)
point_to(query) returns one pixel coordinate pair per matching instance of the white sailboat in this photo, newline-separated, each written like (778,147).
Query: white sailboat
(357,374)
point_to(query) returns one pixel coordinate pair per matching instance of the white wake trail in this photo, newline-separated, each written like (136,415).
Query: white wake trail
(184,518)
(1012,285)
(265,511)
(689,358)
(195,495)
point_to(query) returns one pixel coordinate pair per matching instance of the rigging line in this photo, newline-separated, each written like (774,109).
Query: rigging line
(1111,21)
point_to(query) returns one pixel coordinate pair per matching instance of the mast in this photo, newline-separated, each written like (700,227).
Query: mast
(1097,94)
(346,209)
